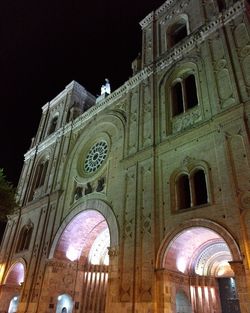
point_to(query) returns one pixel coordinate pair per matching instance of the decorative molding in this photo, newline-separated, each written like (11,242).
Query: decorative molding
(178,10)
(166,5)
(147,20)
(113,251)
(162,9)
(186,161)
(186,120)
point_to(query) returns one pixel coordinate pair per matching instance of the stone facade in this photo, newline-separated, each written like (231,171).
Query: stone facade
(139,201)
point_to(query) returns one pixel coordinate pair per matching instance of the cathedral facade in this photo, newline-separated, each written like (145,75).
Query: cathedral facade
(139,200)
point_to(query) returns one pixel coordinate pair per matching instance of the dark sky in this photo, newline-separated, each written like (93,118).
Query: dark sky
(44,45)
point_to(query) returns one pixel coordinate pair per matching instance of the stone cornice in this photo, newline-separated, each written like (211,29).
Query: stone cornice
(162,9)
(77,88)
(170,3)
(72,86)
(163,62)
(55,100)
(147,20)
(177,11)
(166,5)
(198,36)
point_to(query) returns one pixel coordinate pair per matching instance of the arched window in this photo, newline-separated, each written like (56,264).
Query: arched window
(184,94)
(39,177)
(24,238)
(177,32)
(190,189)
(41,174)
(177,99)
(53,125)
(183,192)
(200,187)
(190,91)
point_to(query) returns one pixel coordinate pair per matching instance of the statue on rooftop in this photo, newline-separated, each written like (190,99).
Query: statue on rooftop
(105,89)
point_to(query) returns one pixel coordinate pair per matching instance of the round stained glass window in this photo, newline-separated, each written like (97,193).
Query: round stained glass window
(97,154)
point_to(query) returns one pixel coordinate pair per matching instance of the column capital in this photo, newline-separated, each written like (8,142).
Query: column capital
(113,251)
(237,267)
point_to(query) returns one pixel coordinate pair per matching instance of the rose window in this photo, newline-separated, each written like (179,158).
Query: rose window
(96,156)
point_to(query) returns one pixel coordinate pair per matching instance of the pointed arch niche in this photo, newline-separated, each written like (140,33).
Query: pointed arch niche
(194,259)
(80,255)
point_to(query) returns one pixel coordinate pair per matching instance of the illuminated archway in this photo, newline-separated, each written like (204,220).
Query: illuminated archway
(85,238)
(102,212)
(15,275)
(199,252)
(81,252)
(11,289)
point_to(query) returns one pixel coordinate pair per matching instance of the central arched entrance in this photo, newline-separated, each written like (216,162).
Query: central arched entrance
(78,268)
(85,240)
(197,271)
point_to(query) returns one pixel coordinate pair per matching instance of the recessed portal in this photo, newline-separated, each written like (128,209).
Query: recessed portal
(200,257)
(84,244)
(87,237)
(199,251)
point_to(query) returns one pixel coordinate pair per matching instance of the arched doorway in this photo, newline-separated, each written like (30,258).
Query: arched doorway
(197,260)
(64,304)
(13,304)
(79,258)
(85,240)
(11,289)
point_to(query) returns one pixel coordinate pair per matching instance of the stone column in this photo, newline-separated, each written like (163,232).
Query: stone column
(163,292)
(112,300)
(241,285)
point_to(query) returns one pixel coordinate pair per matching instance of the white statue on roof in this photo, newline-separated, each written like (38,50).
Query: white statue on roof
(105,89)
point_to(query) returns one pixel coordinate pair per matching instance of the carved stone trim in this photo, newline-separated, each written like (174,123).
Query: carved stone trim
(113,251)
(186,120)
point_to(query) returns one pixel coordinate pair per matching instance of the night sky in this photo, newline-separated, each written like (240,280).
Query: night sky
(47,44)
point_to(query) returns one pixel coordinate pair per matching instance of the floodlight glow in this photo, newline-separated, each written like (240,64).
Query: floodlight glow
(206,293)
(13,305)
(213,293)
(20,273)
(72,253)
(64,304)
(181,264)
